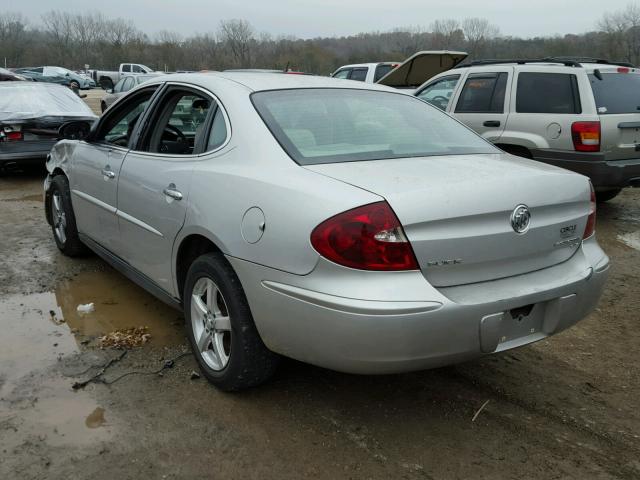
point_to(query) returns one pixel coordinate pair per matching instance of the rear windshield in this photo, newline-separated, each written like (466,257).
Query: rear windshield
(344,125)
(616,92)
(381,71)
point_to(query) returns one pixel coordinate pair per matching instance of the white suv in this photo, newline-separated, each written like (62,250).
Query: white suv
(580,115)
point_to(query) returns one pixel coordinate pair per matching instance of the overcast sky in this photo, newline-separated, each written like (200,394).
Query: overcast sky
(312,18)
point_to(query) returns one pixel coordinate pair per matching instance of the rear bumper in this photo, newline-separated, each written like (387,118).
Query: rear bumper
(603,173)
(23,152)
(377,323)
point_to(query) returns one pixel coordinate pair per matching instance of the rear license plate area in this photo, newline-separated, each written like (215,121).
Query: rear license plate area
(521,322)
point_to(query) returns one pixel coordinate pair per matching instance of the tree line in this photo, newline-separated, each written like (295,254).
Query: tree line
(73,40)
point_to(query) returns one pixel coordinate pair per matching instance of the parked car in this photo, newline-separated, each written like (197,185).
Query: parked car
(579,115)
(8,75)
(125,84)
(343,224)
(58,75)
(31,115)
(411,73)
(108,79)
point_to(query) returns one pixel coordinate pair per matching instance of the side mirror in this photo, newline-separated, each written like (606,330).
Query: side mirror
(74,130)
(66,74)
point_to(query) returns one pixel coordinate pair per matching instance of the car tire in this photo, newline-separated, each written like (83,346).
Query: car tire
(63,220)
(606,195)
(220,327)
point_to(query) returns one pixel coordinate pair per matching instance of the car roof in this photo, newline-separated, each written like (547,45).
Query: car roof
(372,64)
(255,81)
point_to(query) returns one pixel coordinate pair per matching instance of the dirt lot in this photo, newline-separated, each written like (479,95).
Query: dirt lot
(567,407)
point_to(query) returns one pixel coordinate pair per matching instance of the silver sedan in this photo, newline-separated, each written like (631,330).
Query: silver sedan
(345,225)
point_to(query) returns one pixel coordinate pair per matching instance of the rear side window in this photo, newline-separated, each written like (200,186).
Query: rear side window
(381,71)
(616,92)
(483,93)
(359,74)
(547,93)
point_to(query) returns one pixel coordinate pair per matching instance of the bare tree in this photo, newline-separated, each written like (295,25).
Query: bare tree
(447,33)
(13,38)
(237,36)
(478,33)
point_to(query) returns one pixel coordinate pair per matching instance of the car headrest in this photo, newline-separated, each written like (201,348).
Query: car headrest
(200,104)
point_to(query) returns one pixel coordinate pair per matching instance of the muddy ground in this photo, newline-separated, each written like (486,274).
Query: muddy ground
(566,407)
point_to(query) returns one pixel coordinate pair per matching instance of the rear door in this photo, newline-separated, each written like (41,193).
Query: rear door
(153,191)
(483,102)
(617,97)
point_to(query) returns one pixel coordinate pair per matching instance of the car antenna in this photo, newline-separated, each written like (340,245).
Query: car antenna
(597,74)
(286,69)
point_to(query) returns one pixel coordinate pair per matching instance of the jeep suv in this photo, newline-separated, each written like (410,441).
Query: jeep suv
(582,115)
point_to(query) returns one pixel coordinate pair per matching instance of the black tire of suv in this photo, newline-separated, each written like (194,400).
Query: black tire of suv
(250,361)
(606,195)
(72,246)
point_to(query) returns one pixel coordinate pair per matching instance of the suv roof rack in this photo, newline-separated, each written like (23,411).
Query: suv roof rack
(566,61)
(602,61)
(522,61)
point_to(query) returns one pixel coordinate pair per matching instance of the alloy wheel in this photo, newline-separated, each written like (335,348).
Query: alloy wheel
(58,217)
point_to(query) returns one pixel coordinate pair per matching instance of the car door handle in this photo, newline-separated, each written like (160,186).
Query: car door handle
(107,172)
(491,123)
(171,191)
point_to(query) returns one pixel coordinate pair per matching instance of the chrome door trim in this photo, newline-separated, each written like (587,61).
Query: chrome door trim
(139,223)
(94,200)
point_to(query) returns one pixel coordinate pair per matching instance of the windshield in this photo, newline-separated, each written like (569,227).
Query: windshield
(342,125)
(616,92)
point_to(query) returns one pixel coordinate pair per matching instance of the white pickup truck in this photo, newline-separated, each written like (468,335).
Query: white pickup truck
(411,73)
(107,79)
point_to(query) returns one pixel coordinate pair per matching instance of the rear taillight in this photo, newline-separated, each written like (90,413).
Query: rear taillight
(590,229)
(586,136)
(623,70)
(367,238)
(11,133)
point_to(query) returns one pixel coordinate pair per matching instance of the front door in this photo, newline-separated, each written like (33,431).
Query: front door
(153,190)
(96,168)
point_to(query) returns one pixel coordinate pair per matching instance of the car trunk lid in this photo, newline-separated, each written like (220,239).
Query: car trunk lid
(420,67)
(456,211)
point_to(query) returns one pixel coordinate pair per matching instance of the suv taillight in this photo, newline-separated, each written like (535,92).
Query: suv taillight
(11,134)
(590,229)
(586,136)
(367,238)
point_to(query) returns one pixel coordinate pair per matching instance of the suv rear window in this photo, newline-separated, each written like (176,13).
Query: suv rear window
(547,93)
(381,71)
(616,92)
(483,93)
(332,125)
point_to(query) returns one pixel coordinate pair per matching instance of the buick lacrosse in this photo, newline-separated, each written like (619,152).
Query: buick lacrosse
(346,225)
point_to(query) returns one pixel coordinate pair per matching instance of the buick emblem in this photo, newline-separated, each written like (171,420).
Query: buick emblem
(520,219)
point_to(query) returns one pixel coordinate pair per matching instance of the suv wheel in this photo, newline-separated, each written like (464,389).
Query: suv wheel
(606,195)
(63,220)
(223,336)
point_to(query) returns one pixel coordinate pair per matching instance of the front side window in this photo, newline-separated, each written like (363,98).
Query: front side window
(439,92)
(137,69)
(483,93)
(547,93)
(342,73)
(180,123)
(343,125)
(616,92)
(119,125)
(359,74)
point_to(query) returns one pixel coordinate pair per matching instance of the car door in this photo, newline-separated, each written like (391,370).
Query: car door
(483,101)
(96,166)
(439,93)
(153,190)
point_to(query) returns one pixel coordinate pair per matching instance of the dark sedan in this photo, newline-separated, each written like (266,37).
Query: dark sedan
(30,116)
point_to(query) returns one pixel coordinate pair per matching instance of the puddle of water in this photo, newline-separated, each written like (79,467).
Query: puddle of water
(630,239)
(118,304)
(96,418)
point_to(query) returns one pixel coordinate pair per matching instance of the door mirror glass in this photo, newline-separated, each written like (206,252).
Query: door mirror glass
(75,130)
